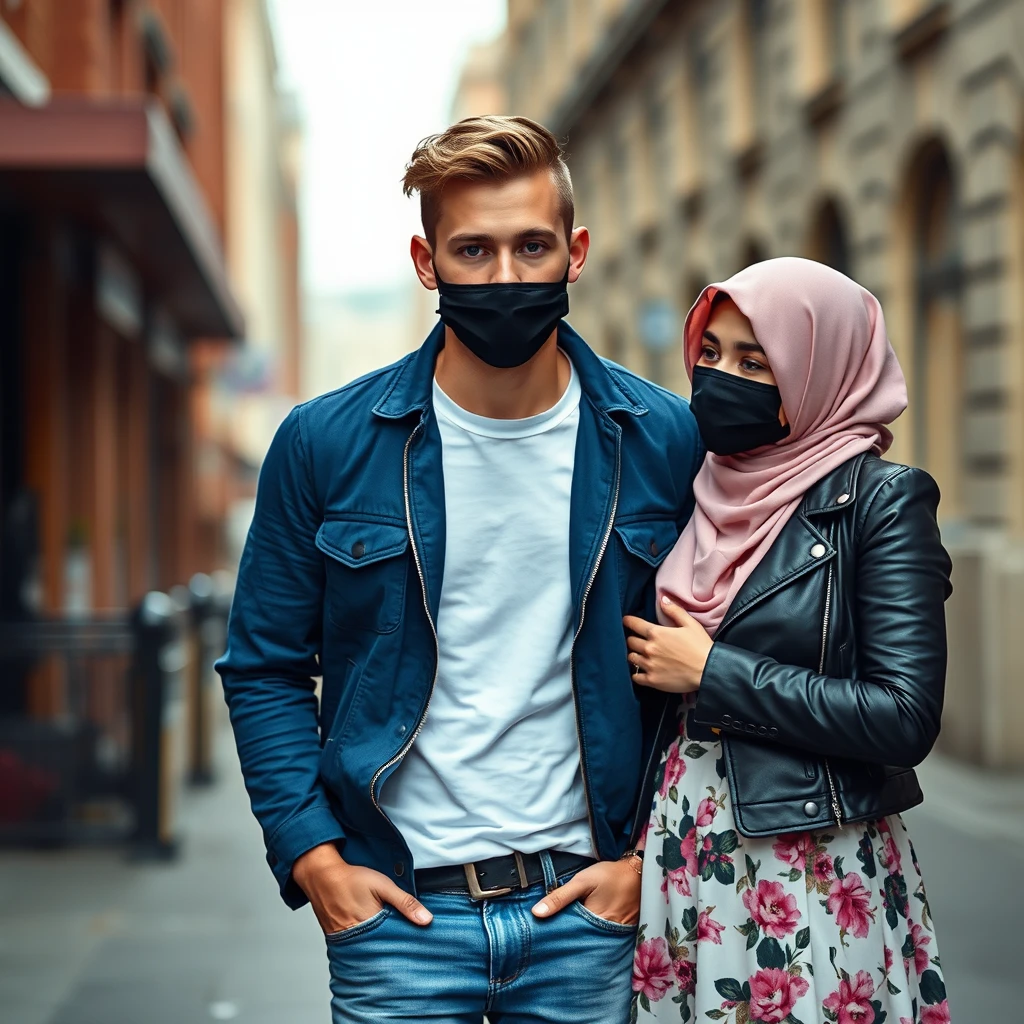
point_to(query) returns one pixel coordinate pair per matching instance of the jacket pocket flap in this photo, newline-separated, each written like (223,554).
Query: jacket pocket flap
(649,539)
(358,542)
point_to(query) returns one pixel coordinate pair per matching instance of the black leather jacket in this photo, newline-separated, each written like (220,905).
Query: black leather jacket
(827,673)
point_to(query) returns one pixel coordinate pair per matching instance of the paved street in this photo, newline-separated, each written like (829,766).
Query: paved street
(87,938)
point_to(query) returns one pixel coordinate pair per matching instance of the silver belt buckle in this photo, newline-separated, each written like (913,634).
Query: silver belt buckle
(476,893)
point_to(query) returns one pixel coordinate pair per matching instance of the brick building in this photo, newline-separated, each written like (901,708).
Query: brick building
(119,458)
(883,137)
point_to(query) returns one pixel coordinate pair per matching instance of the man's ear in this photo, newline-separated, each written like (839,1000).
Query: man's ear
(579,246)
(423,261)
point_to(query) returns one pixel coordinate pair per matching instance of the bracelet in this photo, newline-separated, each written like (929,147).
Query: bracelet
(636,860)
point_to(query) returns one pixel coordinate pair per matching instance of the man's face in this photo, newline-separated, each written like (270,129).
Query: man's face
(507,232)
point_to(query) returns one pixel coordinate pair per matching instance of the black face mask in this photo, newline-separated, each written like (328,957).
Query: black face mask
(733,414)
(505,325)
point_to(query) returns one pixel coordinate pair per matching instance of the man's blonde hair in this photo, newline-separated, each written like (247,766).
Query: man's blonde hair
(490,148)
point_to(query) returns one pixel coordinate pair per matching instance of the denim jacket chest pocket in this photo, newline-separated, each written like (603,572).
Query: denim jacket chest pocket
(367,568)
(642,546)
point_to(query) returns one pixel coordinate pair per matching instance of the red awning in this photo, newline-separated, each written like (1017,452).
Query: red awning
(118,166)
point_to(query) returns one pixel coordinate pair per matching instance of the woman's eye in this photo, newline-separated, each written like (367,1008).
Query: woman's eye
(709,354)
(751,366)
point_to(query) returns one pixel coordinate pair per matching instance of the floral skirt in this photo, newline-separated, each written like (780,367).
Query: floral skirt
(831,925)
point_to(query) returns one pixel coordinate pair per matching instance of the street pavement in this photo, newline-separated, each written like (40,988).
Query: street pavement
(87,937)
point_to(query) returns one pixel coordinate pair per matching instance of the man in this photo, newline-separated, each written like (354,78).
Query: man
(452,542)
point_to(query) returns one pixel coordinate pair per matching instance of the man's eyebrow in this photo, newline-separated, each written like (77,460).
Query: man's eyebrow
(538,233)
(464,239)
(472,238)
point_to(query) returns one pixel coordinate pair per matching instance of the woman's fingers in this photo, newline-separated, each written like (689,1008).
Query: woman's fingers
(636,644)
(675,613)
(637,625)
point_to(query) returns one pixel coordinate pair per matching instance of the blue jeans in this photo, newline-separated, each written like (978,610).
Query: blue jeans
(490,957)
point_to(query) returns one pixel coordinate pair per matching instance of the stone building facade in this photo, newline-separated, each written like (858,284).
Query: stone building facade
(881,136)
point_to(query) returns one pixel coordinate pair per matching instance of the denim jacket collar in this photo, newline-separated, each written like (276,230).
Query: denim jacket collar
(411,389)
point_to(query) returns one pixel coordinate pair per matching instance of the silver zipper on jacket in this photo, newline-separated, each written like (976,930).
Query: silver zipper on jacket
(579,629)
(836,810)
(426,607)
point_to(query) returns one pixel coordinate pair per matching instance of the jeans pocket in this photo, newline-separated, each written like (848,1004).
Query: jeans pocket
(613,927)
(347,934)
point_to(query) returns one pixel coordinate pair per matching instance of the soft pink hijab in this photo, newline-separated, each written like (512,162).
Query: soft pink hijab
(824,336)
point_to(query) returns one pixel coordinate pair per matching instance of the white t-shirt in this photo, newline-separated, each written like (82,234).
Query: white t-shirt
(496,766)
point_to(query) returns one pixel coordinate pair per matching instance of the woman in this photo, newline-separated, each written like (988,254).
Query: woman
(802,622)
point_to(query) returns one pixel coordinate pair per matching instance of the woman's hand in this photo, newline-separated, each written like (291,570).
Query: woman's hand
(669,658)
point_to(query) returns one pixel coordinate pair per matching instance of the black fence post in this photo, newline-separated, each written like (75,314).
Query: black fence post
(156,625)
(201,599)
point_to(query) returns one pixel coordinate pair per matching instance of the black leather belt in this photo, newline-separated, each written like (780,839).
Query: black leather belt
(497,876)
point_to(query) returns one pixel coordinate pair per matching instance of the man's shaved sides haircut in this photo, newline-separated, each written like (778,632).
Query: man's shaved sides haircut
(490,148)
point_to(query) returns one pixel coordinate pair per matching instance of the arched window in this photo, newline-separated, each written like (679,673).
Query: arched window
(757,20)
(753,252)
(836,36)
(829,240)
(937,363)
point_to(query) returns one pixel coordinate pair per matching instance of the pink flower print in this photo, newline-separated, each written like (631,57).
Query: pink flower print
(679,880)
(850,902)
(680,877)
(891,858)
(889,958)
(772,909)
(675,769)
(686,975)
(652,969)
(918,939)
(852,1001)
(773,994)
(937,1013)
(794,848)
(706,811)
(708,930)
(824,872)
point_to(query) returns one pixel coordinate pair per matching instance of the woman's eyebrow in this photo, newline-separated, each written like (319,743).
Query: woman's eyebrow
(743,346)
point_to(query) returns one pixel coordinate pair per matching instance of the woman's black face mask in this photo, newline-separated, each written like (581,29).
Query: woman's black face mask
(505,325)
(734,414)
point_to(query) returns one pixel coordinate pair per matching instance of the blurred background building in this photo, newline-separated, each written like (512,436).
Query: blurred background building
(157,185)
(150,301)
(883,137)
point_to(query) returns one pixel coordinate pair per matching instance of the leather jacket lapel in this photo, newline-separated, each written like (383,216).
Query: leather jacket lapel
(800,548)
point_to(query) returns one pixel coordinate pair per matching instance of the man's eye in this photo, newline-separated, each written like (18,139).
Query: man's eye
(534,248)
(472,250)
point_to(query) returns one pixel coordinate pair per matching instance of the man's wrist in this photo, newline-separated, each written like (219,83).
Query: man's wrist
(313,860)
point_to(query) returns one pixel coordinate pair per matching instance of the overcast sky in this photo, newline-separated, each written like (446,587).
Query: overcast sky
(372,79)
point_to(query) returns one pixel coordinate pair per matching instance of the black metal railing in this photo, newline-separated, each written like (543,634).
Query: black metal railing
(122,714)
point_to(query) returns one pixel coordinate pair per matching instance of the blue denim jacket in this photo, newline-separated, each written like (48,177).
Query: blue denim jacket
(341,578)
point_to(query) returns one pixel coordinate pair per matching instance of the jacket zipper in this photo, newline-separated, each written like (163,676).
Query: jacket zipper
(426,607)
(647,772)
(836,811)
(579,629)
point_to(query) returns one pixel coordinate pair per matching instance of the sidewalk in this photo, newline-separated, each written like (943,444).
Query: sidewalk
(969,836)
(89,938)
